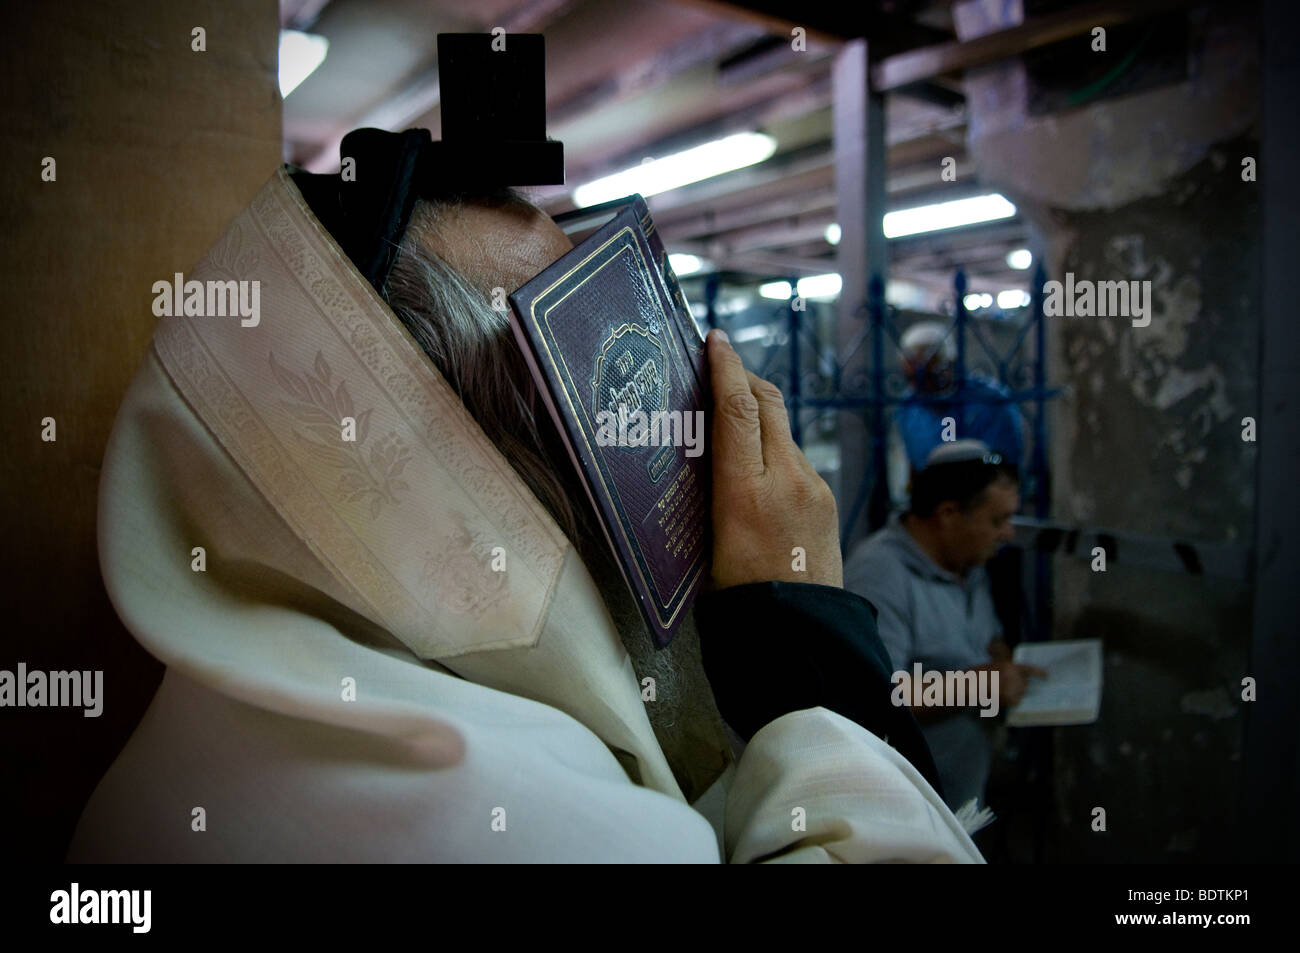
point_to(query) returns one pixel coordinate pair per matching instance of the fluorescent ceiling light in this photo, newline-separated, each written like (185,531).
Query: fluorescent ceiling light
(682,264)
(680,168)
(905,294)
(813,286)
(833,233)
(934,218)
(755,332)
(819,286)
(975,301)
(1020,259)
(1014,298)
(732,305)
(300,54)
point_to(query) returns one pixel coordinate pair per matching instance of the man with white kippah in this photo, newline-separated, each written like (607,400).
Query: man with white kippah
(924,573)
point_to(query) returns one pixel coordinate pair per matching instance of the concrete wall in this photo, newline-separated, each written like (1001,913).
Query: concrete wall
(1147,438)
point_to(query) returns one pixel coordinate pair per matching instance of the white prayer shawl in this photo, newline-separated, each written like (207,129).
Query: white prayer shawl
(309,710)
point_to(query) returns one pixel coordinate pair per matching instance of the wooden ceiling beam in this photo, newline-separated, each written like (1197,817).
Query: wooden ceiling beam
(929,62)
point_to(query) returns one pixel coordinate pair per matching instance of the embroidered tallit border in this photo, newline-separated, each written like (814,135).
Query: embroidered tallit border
(405,377)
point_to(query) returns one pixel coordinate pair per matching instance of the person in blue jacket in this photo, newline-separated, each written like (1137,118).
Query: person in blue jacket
(981,411)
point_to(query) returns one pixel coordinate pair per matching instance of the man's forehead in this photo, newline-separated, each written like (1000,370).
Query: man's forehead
(499,244)
(1004,492)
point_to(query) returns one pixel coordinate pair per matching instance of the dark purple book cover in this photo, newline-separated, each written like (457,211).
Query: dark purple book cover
(620,360)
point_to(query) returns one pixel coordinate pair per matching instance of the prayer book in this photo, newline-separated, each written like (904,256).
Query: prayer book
(622,368)
(1071,692)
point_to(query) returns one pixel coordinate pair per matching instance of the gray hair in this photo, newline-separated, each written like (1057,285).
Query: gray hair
(473,347)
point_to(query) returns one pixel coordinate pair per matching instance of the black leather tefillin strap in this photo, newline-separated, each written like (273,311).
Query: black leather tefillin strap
(493,101)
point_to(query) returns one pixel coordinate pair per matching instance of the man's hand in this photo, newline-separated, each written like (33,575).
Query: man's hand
(1013,680)
(767,498)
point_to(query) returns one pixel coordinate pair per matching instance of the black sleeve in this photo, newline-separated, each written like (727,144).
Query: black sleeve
(775,647)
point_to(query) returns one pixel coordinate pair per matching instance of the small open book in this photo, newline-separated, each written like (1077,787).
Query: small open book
(1071,692)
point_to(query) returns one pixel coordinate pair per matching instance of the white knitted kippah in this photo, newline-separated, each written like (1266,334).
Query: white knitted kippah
(958,451)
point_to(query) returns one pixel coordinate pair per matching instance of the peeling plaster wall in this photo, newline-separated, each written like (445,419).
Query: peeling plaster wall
(1148,436)
(1165,401)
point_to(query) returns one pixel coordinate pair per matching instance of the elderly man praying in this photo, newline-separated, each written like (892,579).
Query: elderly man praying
(415,645)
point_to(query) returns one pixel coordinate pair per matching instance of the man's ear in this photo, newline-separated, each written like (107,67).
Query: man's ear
(946,512)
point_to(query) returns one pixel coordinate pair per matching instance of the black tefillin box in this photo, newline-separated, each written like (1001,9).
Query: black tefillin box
(493,98)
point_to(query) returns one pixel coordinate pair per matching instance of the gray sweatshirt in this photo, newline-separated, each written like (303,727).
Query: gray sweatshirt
(932,616)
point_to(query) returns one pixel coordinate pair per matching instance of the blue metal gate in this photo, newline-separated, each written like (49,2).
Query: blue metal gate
(814,379)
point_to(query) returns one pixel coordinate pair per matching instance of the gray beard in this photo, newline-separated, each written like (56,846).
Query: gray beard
(684,716)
